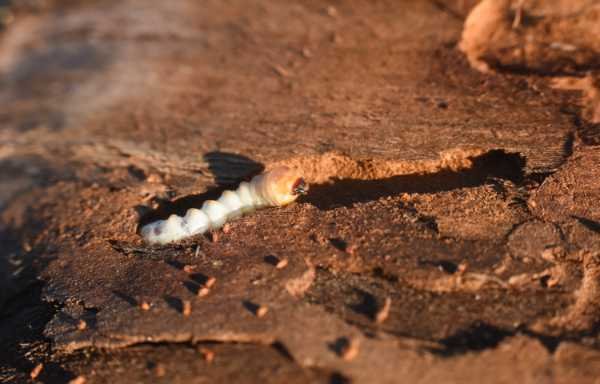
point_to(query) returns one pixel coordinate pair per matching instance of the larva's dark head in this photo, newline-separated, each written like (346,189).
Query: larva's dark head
(284,185)
(300,187)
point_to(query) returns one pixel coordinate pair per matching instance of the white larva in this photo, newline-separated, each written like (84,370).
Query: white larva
(275,188)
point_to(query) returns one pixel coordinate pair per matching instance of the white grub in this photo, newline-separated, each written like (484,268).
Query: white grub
(275,188)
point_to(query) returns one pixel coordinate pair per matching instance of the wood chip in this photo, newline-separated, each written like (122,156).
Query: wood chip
(350,350)
(298,286)
(78,380)
(35,372)
(261,311)
(336,38)
(281,264)
(281,71)
(214,237)
(187,308)
(384,311)
(154,178)
(332,11)
(210,282)
(160,370)
(351,249)
(518,15)
(27,247)
(207,354)
(519,280)
(553,281)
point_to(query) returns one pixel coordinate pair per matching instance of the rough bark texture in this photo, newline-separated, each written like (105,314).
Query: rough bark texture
(452,229)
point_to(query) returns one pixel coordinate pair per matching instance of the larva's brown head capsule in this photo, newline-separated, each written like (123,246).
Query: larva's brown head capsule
(300,187)
(283,185)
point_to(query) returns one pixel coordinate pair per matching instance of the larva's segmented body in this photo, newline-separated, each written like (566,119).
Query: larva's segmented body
(277,187)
